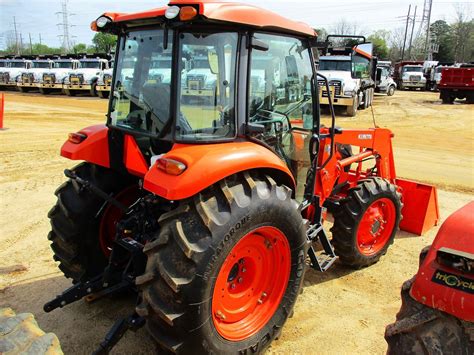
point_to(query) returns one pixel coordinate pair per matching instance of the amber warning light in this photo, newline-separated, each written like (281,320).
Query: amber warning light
(76,138)
(170,166)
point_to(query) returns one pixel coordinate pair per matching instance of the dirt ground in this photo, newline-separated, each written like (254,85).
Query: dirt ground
(340,312)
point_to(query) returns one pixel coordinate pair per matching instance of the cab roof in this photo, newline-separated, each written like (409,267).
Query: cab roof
(229,12)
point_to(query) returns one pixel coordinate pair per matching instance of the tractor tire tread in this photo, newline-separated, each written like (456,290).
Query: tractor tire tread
(419,329)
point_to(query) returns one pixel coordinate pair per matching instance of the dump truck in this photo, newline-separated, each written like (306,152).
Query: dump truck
(384,82)
(53,79)
(30,79)
(457,83)
(212,212)
(10,74)
(84,77)
(437,312)
(350,87)
(410,75)
(104,82)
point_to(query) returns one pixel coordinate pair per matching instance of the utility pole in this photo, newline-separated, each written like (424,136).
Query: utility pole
(411,36)
(428,51)
(16,37)
(406,30)
(40,39)
(31,44)
(21,42)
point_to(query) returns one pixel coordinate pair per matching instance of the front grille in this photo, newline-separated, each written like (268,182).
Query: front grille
(195,82)
(49,78)
(76,79)
(27,78)
(335,84)
(415,78)
(107,79)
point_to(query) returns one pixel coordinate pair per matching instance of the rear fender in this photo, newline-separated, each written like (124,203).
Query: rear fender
(94,149)
(210,163)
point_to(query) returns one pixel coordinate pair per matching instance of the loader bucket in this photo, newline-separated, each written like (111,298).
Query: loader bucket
(420,207)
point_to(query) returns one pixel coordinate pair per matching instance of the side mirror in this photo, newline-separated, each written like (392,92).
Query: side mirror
(213,61)
(361,59)
(259,45)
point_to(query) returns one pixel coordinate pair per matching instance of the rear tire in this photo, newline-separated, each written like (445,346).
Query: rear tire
(423,330)
(366,222)
(196,241)
(75,225)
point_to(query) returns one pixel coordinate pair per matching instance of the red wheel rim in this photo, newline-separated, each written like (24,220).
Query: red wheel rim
(112,214)
(376,226)
(251,283)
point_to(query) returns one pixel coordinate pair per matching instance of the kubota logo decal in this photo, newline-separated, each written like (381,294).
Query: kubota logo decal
(365,136)
(453,281)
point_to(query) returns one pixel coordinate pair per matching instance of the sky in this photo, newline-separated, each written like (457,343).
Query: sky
(39,17)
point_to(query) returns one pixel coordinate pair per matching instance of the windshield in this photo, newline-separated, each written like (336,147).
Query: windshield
(3,64)
(63,65)
(43,65)
(17,64)
(90,65)
(439,69)
(341,65)
(413,69)
(143,87)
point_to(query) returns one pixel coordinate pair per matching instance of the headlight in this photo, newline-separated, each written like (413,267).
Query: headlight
(348,92)
(102,21)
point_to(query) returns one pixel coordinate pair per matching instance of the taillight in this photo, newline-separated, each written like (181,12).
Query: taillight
(76,138)
(170,166)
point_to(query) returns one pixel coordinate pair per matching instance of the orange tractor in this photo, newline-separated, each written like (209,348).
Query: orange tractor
(211,210)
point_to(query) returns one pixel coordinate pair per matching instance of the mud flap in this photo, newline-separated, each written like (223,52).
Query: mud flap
(420,207)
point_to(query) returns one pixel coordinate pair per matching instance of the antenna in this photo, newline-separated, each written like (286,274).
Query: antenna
(66,37)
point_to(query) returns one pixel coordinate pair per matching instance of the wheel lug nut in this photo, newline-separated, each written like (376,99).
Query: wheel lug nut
(220,315)
(268,244)
(241,261)
(232,286)
(240,280)
(244,269)
(264,294)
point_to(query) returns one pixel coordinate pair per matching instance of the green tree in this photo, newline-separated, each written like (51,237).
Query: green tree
(379,40)
(104,42)
(442,34)
(79,48)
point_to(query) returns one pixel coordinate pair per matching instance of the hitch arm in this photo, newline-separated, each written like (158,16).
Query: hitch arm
(118,330)
(94,189)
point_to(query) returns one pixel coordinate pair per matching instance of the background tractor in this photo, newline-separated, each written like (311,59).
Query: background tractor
(211,211)
(437,313)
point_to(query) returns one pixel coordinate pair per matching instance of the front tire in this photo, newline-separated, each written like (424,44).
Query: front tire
(423,330)
(365,222)
(203,261)
(77,240)
(391,90)
(103,94)
(44,91)
(69,92)
(352,110)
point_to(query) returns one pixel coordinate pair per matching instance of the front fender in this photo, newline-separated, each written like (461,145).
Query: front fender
(208,164)
(94,149)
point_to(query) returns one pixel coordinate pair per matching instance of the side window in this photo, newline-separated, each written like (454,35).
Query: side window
(361,67)
(280,81)
(280,100)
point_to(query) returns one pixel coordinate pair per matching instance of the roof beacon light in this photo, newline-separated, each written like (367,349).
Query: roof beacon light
(102,21)
(187,13)
(172,12)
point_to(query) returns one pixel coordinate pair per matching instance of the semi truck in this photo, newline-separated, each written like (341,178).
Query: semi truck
(53,79)
(30,78)
(84,78)
(10,74)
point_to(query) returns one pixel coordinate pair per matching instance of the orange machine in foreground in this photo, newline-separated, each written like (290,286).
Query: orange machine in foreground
(209,205)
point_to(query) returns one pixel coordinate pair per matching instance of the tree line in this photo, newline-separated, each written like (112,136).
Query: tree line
(101,43)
